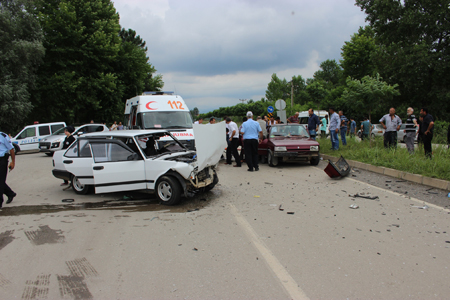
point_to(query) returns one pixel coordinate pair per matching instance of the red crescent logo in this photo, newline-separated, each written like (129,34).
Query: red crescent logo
(148,105)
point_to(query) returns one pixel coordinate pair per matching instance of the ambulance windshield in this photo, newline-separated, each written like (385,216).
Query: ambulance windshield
(166,120)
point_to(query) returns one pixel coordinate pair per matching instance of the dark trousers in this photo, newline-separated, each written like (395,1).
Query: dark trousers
(232,149)
(390,139)
(427,144)
(251,153)
(4,188)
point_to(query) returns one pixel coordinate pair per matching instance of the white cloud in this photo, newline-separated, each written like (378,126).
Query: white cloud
(215,52)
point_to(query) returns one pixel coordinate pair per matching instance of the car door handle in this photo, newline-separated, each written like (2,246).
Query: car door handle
(99,168)
(67,161)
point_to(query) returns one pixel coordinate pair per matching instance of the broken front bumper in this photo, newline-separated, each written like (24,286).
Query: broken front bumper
(203,178)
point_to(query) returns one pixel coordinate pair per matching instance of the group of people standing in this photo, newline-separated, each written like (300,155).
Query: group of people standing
(391,124)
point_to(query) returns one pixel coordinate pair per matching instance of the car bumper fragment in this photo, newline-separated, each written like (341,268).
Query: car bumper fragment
(62,174)
(203,178)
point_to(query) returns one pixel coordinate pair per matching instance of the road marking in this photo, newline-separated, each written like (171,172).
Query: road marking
(403,196)
(292,288)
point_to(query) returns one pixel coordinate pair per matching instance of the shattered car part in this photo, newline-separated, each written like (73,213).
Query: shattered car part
(341,168)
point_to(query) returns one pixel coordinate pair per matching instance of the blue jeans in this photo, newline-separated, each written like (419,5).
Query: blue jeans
(343,132)
(312,134)
(334,140)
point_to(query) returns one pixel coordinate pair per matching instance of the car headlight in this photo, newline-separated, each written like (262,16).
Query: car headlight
(314,148)
(280,149)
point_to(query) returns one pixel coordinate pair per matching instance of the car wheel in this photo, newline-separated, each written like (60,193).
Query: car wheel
(168,190)
(315,160)
(49,154)
(272,160)
(16,148)
(78,187)
(213,184)
(262,159)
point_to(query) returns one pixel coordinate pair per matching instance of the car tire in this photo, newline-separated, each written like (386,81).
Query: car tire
(16,148)
(262,159)
(315,160)
(80,189)
(272,160)
(49,154)
(168,190)
(213,184)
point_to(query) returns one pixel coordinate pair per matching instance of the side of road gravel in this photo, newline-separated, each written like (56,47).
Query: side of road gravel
(428,181)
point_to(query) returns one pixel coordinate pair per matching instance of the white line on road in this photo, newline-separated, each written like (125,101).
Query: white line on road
(292,288)
(403,196)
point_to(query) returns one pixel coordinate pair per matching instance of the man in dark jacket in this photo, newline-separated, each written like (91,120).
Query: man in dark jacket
(67,142)
(313,124)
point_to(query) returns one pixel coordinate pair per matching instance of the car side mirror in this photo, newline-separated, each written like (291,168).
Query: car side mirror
(133,156)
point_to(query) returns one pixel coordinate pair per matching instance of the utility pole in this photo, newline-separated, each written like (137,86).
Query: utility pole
(292,93)
(242,100)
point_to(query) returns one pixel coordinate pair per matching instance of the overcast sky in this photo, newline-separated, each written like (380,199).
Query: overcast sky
(215,52)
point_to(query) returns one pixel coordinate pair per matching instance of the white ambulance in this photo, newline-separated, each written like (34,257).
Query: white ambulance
(161,110)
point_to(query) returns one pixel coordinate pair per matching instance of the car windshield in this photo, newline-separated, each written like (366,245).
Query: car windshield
(59,131)
(166,120)
(288,131)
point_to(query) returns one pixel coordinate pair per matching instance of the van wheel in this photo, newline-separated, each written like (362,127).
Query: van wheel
(78,187)
(49,154)
(272,160)
(168,190)
(16,148)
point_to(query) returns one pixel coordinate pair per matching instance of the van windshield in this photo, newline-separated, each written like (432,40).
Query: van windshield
(166,120)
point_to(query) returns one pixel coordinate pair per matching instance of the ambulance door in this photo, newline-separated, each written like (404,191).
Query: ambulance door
(116,167)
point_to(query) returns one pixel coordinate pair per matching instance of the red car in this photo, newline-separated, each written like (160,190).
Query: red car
(289,142)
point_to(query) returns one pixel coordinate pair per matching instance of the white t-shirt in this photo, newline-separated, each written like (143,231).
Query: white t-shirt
(233,126)
(196,122)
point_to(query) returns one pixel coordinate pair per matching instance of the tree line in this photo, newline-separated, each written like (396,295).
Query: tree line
(68,60)
(400,59)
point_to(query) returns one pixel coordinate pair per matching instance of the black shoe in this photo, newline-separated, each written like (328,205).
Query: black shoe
(250,170)
(257,169)
(11,198)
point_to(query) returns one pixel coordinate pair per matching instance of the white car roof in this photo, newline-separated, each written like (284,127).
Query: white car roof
(124,133)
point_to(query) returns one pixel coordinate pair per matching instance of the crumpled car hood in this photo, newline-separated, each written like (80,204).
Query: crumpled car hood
(210,143)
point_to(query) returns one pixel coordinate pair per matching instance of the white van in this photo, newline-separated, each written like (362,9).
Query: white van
(29,137)
(161,110)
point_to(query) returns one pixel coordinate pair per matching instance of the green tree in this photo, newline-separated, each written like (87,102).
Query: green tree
(414,43)
(134,72)
(77,81)
(330,73)
(357,54)
(21,52)
(195,112)
(282,89)
(369,93)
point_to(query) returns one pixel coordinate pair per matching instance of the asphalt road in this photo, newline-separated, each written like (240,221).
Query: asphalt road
(231,243)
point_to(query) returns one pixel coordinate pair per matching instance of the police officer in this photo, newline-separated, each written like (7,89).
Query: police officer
(6,150)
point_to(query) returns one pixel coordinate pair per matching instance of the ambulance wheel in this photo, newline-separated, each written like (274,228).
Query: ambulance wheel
(49,154)
(168,190)
(78,187)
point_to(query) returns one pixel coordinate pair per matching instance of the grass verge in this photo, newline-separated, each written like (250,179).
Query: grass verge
(374,153)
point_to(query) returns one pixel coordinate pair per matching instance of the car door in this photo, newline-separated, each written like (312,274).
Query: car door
(78,161)
(116,167)
(27,139)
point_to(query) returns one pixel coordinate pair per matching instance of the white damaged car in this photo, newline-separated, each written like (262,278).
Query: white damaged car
(137,160)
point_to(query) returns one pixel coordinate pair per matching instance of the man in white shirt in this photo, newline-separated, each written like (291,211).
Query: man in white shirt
(263,125)
(233,135)
(200,121)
